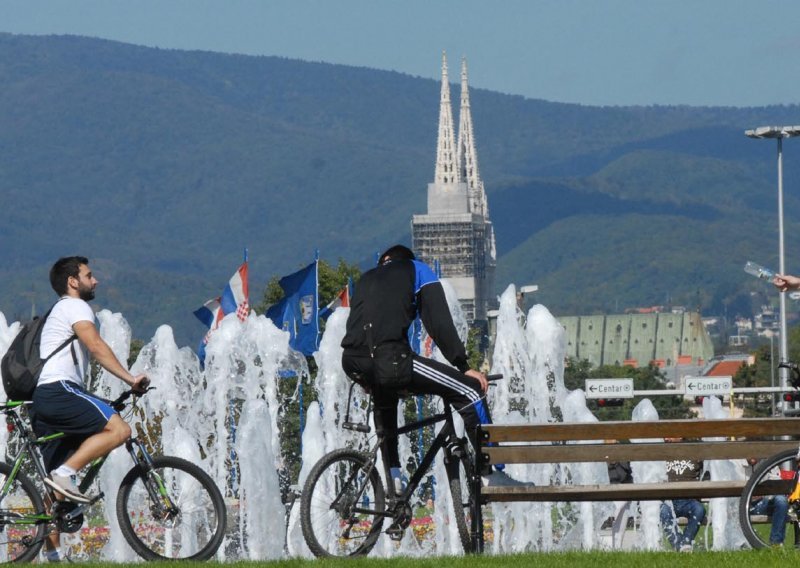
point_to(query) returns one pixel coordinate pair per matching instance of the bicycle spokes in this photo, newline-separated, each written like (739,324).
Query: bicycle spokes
(173,511)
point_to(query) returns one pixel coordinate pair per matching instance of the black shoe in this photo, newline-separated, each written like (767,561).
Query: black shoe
(501,479)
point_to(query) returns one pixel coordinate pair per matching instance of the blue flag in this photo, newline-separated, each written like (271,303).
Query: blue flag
(298,311)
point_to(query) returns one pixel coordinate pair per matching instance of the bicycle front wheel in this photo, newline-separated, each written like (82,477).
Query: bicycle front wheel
(459,474)
(765,513)
(342,505)
(172,512)
(23,520)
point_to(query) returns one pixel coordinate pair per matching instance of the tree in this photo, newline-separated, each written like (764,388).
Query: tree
(475,357)
(759,374)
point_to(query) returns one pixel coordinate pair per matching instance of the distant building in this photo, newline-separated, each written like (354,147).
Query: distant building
(664,339)
(767,322)
(727,365)
(456,233)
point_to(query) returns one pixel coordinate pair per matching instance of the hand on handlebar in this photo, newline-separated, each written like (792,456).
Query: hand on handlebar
(140,384)
(481,378)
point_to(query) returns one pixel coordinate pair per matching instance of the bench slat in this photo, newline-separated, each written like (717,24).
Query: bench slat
(740,427)
(636,452)
(618,492)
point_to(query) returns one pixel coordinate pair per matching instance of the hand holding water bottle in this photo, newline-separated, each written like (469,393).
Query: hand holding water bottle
(782,282)
(785,282)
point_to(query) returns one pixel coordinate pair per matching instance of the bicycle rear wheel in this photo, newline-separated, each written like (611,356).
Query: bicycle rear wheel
(341,507)
(765,499)
(23,520)
(459,474)
(173,512)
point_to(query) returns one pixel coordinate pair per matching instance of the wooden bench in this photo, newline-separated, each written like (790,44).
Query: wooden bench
(607,442)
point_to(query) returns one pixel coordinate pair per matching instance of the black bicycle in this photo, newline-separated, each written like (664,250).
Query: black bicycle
(773,487)
(167,507)
(344,503)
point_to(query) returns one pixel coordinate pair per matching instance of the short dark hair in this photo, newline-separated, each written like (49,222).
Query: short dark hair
(63,269)
(397,252)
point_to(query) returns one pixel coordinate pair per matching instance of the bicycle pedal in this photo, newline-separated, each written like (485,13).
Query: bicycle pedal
(96,498)
(395,532)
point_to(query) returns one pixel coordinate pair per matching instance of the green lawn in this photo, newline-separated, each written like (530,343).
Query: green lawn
(748,558)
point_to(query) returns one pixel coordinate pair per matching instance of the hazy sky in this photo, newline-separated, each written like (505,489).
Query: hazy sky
(598,52)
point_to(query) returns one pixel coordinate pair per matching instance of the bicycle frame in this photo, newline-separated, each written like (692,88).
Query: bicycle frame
(439,442)
(398,503)
(30,449)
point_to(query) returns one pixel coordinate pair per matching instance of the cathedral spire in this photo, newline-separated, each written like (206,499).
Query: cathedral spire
(467,156)
(445,159)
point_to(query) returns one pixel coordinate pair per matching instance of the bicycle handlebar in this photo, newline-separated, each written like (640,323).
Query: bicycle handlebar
(118,403)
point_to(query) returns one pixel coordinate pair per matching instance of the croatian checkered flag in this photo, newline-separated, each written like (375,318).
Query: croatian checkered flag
(235,296)
(234,299)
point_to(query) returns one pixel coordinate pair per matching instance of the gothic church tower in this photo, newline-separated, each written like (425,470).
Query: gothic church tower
(456,233)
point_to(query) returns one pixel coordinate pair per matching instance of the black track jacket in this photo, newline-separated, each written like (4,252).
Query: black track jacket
(390,296)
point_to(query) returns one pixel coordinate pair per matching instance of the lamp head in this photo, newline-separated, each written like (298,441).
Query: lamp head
(773,132)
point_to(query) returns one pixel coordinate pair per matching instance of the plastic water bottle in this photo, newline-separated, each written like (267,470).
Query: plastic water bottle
(759,271)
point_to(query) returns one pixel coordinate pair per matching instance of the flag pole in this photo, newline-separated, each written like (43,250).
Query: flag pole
(316,316)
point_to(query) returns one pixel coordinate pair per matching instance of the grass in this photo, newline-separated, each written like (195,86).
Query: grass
(727,559)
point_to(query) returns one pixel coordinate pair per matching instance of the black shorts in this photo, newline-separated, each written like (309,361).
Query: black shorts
(64,406)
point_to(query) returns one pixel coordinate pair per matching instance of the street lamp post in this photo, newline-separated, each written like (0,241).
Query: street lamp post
(772,370)
(779,133)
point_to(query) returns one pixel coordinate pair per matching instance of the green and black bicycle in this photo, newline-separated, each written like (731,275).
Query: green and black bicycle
(168,508)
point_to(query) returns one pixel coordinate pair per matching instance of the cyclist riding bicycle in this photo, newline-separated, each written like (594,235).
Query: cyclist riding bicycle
(60,403)
(377,354)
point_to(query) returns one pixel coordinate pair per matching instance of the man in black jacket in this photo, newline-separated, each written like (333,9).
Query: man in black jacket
(386,301)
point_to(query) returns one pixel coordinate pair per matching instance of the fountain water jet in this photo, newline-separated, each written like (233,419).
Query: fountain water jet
(225,418)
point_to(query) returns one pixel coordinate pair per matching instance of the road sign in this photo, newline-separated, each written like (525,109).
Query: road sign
(708,386)
(609,388)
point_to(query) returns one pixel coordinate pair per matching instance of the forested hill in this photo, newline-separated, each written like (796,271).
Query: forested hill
(162,165)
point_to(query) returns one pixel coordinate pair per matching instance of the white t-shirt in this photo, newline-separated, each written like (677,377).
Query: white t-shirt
(57,329)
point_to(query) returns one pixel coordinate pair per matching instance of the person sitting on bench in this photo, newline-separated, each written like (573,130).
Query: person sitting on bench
(692,509)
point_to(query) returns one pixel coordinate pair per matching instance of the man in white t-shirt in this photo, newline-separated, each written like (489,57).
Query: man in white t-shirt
(60,403)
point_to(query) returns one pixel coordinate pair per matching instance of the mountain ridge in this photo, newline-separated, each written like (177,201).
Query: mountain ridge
(164,164)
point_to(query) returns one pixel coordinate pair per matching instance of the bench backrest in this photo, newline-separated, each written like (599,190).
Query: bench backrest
(612,441)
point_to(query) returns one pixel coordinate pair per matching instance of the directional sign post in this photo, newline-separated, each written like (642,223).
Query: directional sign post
(609,388)
(708,386)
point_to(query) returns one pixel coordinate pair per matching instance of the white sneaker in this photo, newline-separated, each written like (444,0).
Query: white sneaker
(501,479)
(66,486)
(686,548)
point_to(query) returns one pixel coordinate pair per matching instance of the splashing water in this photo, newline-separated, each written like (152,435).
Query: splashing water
(648,472)
(723,511)
(226,419)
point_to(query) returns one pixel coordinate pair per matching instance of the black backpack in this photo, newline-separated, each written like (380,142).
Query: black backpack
(21,365)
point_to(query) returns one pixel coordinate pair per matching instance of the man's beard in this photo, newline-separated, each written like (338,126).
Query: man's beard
(86,294)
